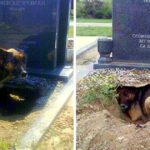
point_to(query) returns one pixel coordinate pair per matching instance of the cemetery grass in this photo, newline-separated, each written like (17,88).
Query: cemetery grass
(4,145)
(94,31)
(92,20)
(70,32)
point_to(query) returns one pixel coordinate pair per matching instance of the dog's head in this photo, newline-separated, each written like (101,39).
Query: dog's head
(126,96)
(13,61)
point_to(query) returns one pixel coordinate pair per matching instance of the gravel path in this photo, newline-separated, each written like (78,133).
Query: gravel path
(109,25)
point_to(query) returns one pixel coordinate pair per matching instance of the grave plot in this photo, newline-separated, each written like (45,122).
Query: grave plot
(101,122)
(19,119)
(35,28)
(130,44)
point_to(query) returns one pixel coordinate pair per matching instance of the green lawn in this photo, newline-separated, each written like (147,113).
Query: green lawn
(94,31)
(70,32)
(84,20)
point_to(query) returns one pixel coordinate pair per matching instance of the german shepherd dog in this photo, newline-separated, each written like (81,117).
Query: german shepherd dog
(135,102)
(12,62)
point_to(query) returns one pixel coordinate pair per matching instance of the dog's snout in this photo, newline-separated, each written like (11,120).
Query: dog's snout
(123,106)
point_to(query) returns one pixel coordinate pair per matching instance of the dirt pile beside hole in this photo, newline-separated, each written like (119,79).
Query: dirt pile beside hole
(103,131)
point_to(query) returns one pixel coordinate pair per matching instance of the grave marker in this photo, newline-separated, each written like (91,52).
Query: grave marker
(131,35)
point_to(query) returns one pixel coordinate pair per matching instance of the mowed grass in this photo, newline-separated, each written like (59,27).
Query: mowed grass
(94,31)
(4,145)
(70,32)
(92,20)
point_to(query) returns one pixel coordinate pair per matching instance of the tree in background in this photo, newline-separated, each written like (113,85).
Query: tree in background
(94,9)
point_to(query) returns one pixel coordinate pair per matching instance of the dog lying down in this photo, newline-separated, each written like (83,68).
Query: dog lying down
(135,102)
(12,64)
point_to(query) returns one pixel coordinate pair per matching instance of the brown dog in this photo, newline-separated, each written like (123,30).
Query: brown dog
(12,62)
(135,102)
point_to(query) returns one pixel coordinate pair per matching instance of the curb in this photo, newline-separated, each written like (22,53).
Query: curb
(86,48)
(33,136)
(83,70)
(83,50)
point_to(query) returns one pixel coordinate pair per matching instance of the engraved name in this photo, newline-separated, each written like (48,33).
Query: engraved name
(143,40)
(23,3)
(146,1)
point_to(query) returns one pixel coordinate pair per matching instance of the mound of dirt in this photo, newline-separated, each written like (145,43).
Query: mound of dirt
(106,128)
(125,77)
(103,131)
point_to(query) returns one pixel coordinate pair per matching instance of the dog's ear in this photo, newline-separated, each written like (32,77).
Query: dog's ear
(118,89)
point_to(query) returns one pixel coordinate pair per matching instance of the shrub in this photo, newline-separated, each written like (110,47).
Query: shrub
(99,87)
(107,10)
(94,9)
(81,13)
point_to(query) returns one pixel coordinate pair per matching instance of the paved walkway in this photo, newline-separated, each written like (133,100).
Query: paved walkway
(85,41)
(92,24)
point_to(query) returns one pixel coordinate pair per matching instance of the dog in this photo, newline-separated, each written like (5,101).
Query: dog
(12,62)
(135,102)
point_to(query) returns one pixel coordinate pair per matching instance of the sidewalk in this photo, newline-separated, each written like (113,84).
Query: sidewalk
(92,24)
(85,41)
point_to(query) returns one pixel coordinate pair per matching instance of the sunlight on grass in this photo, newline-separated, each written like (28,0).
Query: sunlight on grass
(3,145)
(92,20)
(94,31)
(70,32)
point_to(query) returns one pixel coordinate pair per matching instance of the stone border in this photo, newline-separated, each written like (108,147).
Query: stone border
(33,136)
(83,50)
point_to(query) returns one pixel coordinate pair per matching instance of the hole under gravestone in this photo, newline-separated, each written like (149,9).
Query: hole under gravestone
(134,103)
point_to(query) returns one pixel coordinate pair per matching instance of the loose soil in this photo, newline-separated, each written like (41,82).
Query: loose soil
(88,57)
(12,127)
(105,127)
(60,134)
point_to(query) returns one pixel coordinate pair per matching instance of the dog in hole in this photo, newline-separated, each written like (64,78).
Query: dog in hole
(135,102)
(12,62)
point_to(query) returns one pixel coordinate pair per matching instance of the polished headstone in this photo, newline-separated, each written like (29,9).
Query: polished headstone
(31,25)
(131,31)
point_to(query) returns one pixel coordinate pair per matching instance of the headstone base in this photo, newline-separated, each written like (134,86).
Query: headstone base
(63,73)
(126,65)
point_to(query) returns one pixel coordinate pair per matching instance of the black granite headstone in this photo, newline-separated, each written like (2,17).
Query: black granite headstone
(31,25)
(131,31)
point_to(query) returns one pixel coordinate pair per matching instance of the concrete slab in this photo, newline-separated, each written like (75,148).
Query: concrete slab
(84,41)
(83,70)
(63,73)
(50,112)
(126,65)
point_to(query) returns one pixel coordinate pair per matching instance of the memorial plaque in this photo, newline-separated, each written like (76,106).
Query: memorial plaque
(131,30)
(31,25)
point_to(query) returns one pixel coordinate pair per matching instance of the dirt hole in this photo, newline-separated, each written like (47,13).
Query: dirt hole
(134,102)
